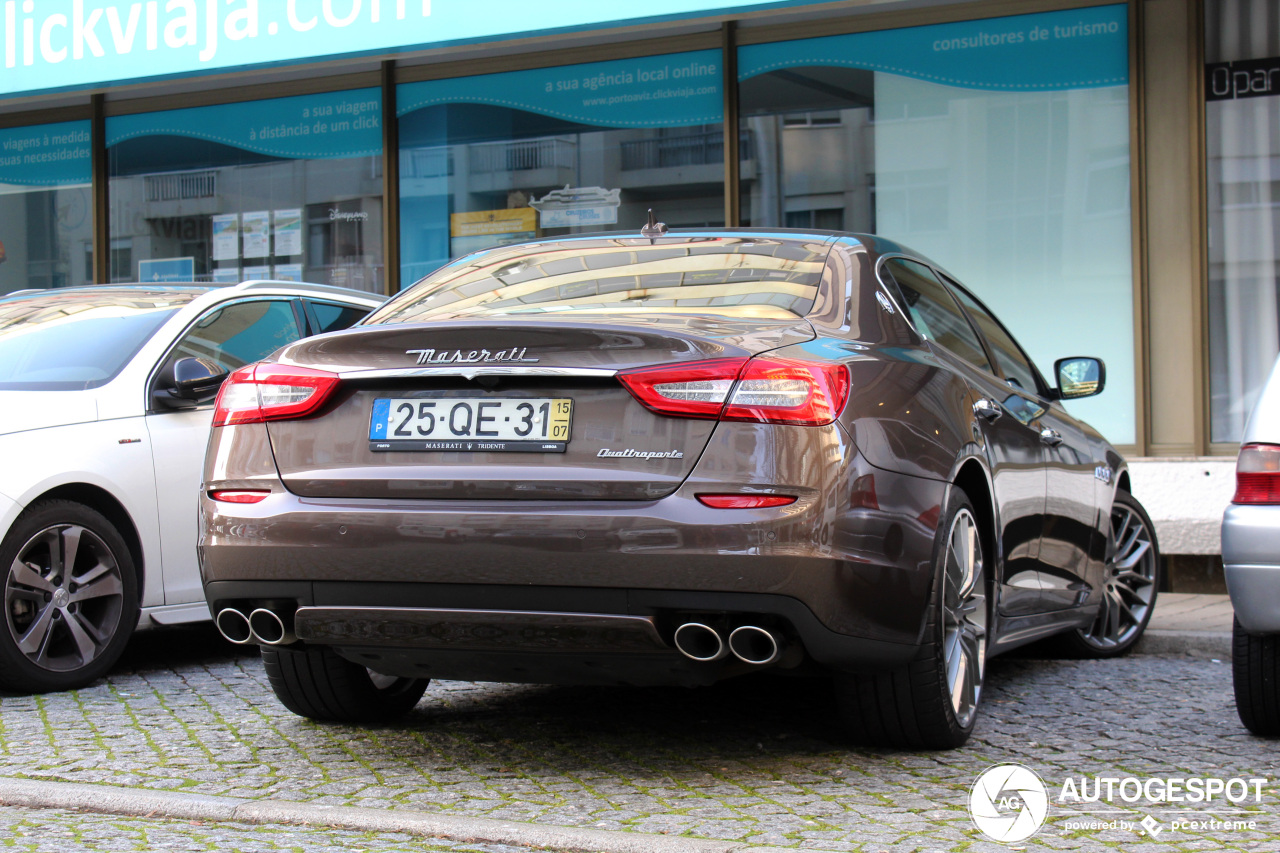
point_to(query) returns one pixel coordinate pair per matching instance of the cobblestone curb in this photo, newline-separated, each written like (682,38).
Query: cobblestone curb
(104,799)
(1211,643)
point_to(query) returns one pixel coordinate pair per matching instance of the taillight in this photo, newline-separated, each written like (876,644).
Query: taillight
(695,389)
(240,496)
(763,390)
(271,392)
(783,391)
(1258,475)
(744,501)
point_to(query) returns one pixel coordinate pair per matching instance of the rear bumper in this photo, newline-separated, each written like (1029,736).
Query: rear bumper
(503,633)
(1251,564)
(845,571)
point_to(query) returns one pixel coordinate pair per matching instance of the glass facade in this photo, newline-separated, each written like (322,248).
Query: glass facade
(1242,148)
(499,158)
(287,188)
(999,148)
(46,222)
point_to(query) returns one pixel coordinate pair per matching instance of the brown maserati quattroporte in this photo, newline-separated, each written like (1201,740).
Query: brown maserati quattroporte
(670,459)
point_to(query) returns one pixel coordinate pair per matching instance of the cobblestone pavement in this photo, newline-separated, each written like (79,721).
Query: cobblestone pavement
(756,760)
(64,832)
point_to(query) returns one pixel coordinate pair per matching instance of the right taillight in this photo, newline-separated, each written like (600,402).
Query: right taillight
(762,390)
(271,392)
(1258,475)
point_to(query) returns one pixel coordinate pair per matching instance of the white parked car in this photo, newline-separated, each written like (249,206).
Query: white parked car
(1251,563)
(106,398)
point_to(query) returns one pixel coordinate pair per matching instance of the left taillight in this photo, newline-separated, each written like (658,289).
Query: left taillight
(761,390)
(271,392)
(1258,475)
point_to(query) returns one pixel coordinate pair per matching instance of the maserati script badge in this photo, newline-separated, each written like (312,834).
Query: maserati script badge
(475,356)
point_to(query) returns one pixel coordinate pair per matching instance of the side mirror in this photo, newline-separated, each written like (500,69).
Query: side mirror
(195,381)
(1080,376)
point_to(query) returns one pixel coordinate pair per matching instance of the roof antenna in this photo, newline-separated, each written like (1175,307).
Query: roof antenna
(653,228)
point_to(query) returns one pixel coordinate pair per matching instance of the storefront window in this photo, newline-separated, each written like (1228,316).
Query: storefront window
(1242,123)
(46,230)
(999,148)
(288,188)
(505,157)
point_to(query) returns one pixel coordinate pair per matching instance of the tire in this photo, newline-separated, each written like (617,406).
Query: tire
(932,703)
(1255,671)
(70,598)
(1132,582)
(319,684)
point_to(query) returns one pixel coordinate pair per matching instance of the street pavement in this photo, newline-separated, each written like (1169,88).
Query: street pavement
(756,762)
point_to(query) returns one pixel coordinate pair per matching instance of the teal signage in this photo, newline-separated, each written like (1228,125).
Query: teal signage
(46,155)
(64,44)
(1074,49)
(655,91)
(328,125)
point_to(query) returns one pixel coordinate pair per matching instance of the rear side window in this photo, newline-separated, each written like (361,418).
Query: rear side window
(1008,355)
(934,313)
(331,317)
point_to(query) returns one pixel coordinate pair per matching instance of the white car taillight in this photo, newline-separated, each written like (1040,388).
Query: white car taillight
(1258,475)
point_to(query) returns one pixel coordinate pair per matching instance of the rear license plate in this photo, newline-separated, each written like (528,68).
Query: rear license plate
(478,424)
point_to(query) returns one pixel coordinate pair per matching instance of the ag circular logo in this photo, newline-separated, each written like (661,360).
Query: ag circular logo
(1008,803)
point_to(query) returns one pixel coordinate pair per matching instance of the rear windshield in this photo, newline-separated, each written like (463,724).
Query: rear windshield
(746,278)
(70,341)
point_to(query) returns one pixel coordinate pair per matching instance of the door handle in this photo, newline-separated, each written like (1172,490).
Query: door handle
(1050,437)
(988,410)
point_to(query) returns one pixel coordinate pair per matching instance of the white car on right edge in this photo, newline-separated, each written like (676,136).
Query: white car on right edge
(1251,562)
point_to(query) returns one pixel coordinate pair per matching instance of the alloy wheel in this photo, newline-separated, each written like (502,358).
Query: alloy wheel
(1130,584)
(63,597)
(964,617)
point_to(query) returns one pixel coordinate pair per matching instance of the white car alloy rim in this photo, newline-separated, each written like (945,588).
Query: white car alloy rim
(63,597)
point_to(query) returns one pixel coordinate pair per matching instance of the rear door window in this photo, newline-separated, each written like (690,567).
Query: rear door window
(935,314)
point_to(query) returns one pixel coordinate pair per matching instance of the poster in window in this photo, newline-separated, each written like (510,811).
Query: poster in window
(226,237)
(226,275)
(256,273)
(256,229)
(288,227)
(288,272)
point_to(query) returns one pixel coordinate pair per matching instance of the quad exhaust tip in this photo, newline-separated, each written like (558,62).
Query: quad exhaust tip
(754,645)
(269,628)
(234,625)
(700,642)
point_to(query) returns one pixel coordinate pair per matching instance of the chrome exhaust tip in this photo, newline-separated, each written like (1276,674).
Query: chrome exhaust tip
(270,628)
(234,626)
(754,645)
(700,642)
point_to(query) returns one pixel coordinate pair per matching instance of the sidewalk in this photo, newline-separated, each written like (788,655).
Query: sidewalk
(1187,623)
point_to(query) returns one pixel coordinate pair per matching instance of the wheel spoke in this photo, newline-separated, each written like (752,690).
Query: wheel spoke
(1132,556)
(81,633)
(70,548)
(36,639)
(29,576)
(103,585)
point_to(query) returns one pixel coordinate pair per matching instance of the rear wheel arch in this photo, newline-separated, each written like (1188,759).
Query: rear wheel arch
(971,478)
(99,499)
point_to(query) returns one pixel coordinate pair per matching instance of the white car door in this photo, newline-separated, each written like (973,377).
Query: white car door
(231,335)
